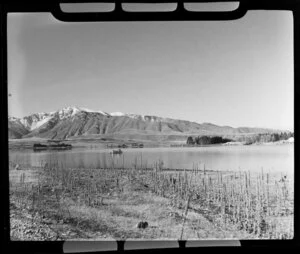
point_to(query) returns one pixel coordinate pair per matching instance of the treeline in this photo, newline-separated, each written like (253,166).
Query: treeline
(265,137)
(206,140)
(249,139)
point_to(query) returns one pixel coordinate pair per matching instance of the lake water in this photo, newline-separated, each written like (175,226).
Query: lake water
(279,158)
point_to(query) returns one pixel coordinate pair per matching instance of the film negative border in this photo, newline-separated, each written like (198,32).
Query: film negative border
(118,15)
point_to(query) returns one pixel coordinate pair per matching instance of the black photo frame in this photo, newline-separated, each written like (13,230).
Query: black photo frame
(180,14)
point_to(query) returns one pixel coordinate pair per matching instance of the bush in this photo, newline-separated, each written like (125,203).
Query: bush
(265,137)
(206,140)
(190,141)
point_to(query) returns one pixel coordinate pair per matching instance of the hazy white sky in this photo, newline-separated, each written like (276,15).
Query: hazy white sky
(237,73)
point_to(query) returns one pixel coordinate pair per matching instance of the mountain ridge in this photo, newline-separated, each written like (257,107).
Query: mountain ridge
(76,121)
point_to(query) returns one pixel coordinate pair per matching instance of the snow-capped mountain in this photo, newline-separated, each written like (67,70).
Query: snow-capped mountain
(36,120)
(77,121)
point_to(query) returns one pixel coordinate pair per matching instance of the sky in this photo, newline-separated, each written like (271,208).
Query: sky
(236,73)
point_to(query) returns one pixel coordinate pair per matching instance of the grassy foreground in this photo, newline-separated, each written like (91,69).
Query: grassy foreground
(53,202)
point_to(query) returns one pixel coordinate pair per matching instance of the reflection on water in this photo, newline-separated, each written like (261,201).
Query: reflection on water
(272,157)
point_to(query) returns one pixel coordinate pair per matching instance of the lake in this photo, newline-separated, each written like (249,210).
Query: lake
(274,158)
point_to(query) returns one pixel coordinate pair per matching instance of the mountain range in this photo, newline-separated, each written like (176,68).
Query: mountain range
(81,122)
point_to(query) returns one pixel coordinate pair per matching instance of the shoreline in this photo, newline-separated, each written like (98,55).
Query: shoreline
(27,144)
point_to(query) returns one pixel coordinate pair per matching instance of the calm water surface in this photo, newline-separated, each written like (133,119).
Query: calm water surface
(279,158)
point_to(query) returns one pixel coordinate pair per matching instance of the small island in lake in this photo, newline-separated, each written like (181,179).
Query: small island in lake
(52,145)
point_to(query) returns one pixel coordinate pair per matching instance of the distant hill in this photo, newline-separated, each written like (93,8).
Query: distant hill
(80,122)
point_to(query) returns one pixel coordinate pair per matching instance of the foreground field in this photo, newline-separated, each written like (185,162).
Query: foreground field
(53,202)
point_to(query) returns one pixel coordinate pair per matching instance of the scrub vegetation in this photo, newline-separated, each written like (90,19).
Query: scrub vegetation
(68,203)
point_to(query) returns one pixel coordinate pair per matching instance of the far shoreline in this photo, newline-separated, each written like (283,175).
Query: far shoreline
(21,144)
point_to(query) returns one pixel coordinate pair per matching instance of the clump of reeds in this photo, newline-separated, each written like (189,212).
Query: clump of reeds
(251,202)
(244,200)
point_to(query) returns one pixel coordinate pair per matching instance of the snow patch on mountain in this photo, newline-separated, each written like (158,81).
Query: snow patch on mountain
(13,119)
(40,123)
(117,114)
(102,112)
(68,112)
(31,122)
(87,110)
(135,116)
(76,109)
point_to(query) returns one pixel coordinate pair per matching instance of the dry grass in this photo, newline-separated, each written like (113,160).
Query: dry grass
(108,203)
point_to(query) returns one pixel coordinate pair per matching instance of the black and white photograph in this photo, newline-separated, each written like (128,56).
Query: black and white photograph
(163,130)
